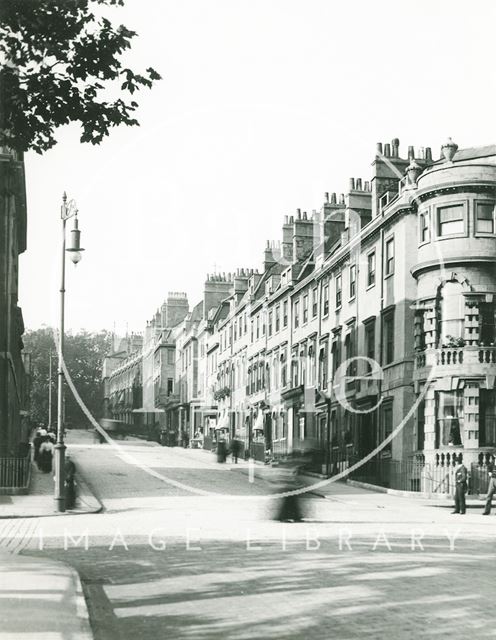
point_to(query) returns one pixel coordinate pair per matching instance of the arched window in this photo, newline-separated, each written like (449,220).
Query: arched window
(451,313)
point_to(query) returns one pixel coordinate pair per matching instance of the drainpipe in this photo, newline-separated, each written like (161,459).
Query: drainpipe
(381,340)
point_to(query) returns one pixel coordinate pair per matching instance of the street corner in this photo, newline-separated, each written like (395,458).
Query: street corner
(49,590)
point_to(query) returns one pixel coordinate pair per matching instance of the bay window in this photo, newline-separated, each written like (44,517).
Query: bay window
(484,217)
(451,220)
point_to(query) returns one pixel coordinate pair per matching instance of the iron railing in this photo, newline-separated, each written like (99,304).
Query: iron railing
(416,475)
(15,473)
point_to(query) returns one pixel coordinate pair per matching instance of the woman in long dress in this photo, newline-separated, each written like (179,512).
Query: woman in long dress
(45,455)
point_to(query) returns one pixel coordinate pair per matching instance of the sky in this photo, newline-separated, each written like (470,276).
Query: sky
(264,106)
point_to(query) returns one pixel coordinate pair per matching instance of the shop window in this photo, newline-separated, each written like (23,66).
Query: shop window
(450,220)
(449,418)
(484,217)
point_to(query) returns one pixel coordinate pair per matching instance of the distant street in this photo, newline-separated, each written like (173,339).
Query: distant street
(163,562)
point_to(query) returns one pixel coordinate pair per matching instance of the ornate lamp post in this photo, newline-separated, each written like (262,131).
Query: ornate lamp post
(67,211)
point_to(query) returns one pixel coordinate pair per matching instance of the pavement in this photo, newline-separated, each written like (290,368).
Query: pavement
(40,500)
(41,597)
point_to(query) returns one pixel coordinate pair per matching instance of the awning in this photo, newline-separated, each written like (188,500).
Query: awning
(223,422)
(258,424)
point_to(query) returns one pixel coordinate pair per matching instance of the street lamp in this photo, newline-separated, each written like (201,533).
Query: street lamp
(67,211)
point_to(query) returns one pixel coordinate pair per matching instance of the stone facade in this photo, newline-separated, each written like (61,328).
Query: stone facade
(370,329)
(13,382)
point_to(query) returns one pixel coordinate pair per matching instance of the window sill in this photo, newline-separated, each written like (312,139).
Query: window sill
(370,286)
(388,275)
(451,236)
(484,234)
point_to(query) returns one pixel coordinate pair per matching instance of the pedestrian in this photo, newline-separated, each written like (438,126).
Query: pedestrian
(221,450)
(46,455)
(289,506)
(70,483)
(491,468)
(235,449)
(37,440)
(461,477)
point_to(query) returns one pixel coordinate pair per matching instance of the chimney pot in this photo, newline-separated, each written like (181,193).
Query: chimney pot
(341,198)
(358,184)
(428,154)
(387,150)
(411,153)
(352,184)
(379,147)
(333,198)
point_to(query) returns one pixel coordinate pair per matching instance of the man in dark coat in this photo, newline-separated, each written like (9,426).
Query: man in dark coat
(491,468)
(461,478)
(235,449)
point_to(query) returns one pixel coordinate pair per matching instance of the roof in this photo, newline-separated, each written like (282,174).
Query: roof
(471,153)
(197,313)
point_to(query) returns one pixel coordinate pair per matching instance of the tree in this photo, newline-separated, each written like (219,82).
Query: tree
(84,353)
(59,63)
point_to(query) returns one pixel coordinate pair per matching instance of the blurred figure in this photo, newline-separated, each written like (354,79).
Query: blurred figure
(221,450)
(37,440)
(289,508)
(235,449)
